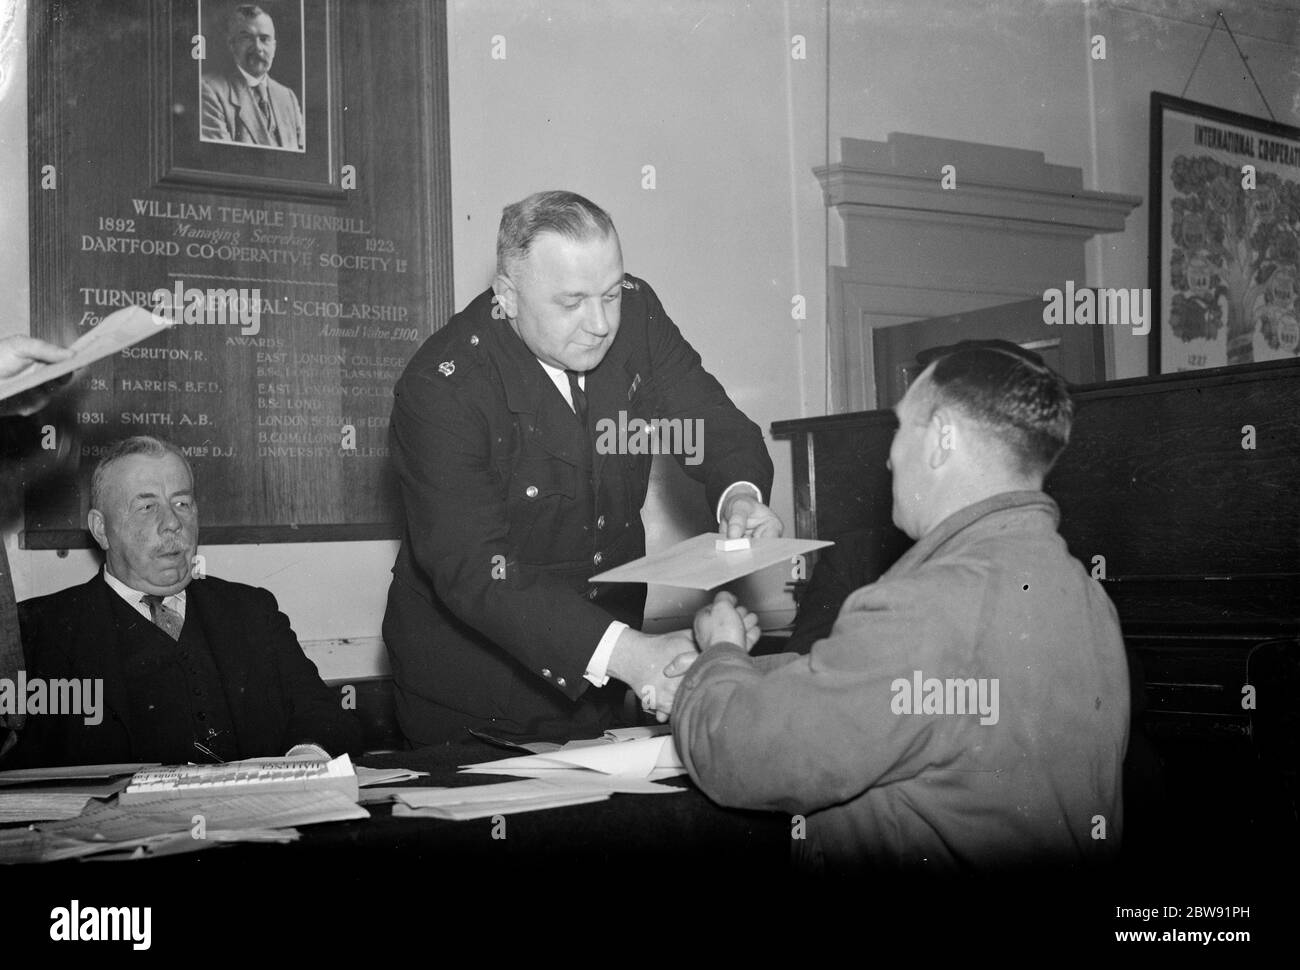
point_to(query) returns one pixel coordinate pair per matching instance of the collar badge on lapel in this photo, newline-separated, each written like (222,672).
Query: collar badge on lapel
(447,368)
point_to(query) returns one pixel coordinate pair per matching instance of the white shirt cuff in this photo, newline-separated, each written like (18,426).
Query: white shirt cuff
(725,495)
(598,665)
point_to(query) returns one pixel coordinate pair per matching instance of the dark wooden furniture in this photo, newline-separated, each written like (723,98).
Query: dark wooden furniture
(1182,494)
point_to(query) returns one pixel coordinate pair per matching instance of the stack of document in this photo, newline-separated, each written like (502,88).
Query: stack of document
(42,794)
(187,810)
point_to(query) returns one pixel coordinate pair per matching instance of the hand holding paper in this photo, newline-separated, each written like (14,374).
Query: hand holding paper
(745,515)
(28,365)
(17,354)
(697,563)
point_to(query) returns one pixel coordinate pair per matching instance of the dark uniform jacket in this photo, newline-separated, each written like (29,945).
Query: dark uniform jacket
(259,684)
(491,620)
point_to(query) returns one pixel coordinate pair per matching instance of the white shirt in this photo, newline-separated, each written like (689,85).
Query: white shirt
(598,665)
(176,601)
(253,82)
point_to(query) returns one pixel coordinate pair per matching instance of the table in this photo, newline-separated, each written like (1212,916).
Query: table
(629,847)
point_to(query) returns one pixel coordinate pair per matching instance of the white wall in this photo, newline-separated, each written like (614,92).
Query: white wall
(1019,73)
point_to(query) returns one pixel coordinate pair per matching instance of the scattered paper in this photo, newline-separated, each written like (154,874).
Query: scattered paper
(29,845)
(618,784)
(42,807)
(506,798)
(181,842)
(25,776)
(377,796)
(45,802)
(115,332)
(366,777)
(118,823)
(535,747)
(625,759)
(698,564)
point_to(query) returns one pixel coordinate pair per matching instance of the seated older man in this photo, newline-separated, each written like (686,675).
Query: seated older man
(970,709)
(193,668)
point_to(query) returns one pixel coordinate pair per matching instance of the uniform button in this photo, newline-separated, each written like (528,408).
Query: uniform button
(531,491)
(546,671)
(597,558)
(202,715)
(600,522)
(198,692)
(473,340)
(561,682)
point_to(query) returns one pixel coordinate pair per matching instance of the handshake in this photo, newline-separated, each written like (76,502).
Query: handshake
(653,665)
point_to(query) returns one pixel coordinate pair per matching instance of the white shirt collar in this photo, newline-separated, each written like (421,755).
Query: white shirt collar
(252,81)
(560,377)
(176,601)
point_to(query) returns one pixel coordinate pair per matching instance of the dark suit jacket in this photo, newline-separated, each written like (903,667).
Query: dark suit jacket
(230,112)
(275,696)
(510,508)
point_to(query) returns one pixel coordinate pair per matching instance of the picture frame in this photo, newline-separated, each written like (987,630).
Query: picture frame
(112,235)
(1224,265)
(207,131)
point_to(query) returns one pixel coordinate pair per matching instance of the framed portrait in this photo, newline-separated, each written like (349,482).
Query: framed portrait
(247,97)
(1224,237)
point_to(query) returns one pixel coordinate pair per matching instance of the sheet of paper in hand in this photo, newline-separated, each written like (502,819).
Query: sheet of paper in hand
(115,332)
(698,563)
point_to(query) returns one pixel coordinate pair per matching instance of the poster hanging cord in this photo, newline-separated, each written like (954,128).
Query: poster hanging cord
(1213,27)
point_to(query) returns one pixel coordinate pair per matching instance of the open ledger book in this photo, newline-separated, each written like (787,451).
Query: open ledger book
(256,776)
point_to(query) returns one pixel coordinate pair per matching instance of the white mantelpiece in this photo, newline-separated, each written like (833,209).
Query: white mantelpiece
(1012,227)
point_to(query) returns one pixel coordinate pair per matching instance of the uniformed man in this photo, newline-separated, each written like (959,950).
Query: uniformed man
(513,497)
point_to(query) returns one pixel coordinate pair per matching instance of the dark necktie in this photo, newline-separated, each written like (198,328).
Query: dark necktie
(164,617)
(579,397)
(265,106)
